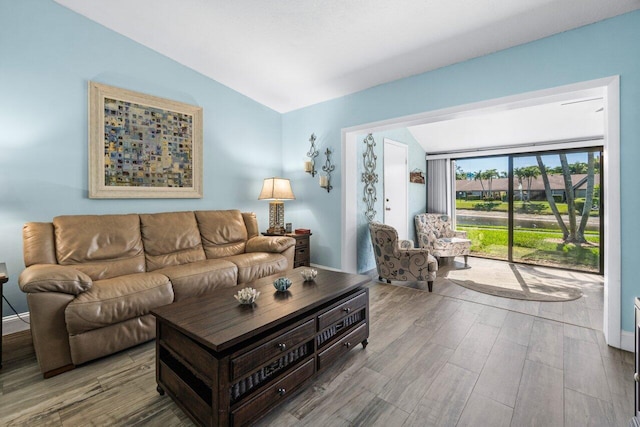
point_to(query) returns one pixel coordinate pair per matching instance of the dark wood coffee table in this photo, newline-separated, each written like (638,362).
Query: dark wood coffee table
(228,364)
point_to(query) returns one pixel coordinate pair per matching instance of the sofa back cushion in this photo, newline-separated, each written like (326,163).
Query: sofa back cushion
(223,233)
(170,238)
(101,246)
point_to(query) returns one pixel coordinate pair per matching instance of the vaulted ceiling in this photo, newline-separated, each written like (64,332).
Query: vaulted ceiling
(287,54)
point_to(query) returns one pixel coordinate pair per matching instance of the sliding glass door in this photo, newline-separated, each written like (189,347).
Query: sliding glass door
(482,209)
(542,208)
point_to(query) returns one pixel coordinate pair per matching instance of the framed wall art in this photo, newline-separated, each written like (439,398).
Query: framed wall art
(142,146)
(416,176)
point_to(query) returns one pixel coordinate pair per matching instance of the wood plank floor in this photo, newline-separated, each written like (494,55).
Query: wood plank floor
(453,357)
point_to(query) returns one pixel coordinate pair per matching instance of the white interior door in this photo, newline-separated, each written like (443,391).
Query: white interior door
(396,186)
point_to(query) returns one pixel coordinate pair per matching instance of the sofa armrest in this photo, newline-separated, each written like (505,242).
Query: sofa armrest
(54,278)
(274,244)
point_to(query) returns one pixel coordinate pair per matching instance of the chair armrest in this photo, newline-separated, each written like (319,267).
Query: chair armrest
(405,244)
(460,234)
(274,244)
(54,278)
(422,257)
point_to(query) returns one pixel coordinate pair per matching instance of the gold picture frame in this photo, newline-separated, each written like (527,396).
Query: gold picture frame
(143,146)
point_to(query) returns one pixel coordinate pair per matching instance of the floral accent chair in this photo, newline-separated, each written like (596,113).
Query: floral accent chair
(435,233)
(398,259)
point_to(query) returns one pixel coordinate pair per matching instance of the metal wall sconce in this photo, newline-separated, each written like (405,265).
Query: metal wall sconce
(325,180)
(310,165)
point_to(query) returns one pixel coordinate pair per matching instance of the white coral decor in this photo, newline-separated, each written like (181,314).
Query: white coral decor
(247,295)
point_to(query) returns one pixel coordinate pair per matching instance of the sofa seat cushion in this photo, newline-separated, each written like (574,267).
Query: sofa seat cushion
(118,299)
(254,265)
(198,278)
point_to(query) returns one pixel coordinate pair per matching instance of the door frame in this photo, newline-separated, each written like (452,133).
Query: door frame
(608,87)
(405,147)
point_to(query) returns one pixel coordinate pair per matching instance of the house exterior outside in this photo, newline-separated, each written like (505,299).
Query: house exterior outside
(469,189)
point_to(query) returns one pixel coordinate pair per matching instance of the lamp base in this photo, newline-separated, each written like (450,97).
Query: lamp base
(276,230)
(276,217)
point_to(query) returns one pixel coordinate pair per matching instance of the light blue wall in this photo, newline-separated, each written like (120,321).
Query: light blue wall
(417,192)
(47,56)
(600,50)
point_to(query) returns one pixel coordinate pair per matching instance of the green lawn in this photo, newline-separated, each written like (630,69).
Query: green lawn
(536,246)
(537,207)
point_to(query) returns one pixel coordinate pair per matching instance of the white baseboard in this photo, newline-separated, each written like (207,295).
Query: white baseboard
(325,268)
(12,324)
(627,341)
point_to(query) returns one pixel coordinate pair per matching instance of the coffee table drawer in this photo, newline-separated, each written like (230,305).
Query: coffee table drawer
(328,356)
(253,359)
(273,394)
(328,318)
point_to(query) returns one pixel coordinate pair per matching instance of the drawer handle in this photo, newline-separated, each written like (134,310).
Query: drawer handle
(636,377)
(282,391)
(347,344)
(347,310)
(282,346)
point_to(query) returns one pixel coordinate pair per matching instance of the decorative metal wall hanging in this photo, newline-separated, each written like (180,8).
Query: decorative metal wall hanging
(325,180)
(310,165)
(369,177)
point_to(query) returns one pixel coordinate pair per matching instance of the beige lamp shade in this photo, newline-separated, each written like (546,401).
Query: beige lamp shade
(276,189)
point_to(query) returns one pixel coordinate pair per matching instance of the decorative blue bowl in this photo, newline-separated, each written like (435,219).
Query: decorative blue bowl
(282,284)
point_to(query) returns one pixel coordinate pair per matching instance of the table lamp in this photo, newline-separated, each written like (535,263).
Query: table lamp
(276,190)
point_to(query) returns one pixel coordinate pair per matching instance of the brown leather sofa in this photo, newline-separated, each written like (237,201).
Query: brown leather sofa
(91,280)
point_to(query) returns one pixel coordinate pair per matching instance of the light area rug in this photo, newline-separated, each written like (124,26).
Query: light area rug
(516,281)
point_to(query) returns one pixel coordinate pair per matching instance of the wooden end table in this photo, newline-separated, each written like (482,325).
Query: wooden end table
(229,364)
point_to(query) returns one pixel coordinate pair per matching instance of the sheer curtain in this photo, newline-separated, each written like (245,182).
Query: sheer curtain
(439,186)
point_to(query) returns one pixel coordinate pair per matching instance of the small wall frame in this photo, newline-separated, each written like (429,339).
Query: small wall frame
(416,176)
(143,146)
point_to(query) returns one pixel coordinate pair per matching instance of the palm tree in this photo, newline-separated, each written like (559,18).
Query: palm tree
(519,172)
(489,175)
(578,167)
(550,200)
(588,202)
(571,234)
(478,176)
(530,173)
(568,191)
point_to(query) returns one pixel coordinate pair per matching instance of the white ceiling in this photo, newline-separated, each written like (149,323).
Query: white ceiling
(287,54)
(553,122)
